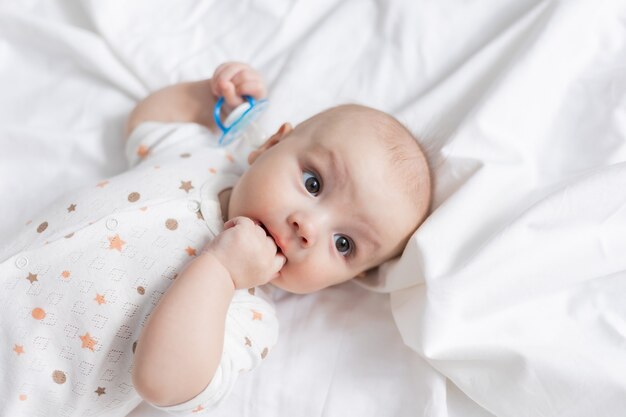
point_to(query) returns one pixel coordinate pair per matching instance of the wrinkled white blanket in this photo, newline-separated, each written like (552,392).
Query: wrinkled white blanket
(510,298)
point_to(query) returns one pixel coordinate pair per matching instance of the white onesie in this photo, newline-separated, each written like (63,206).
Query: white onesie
(78,283)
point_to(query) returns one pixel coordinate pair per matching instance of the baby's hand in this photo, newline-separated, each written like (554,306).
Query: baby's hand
(233,80)
(249,255)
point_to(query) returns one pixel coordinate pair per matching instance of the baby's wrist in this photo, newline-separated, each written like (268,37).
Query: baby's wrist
(220,268)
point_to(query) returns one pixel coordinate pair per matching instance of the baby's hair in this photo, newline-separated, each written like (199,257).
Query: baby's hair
(409,160)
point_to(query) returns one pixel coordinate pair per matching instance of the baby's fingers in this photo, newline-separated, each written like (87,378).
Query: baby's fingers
(277,264)
(222,83)
(239,220)
(279,261)
(249,83)
(230,94)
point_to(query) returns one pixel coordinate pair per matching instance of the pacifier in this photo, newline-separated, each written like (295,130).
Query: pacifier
(238,119)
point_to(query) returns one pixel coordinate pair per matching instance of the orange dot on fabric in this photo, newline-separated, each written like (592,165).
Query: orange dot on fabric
(212,170)
(230,157)
(23,397)
(38,313)
(65,274)
(143,151)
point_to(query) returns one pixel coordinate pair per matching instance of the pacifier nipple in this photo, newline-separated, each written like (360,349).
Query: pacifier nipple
(239,119)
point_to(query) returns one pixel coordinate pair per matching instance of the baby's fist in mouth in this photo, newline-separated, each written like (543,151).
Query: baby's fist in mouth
(247,251)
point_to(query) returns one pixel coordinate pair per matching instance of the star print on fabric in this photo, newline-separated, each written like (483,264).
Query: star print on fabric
(197,409)
(230,157)
(102,184)
(248,342)
(65,274)
(100,391)
(186,185)
(212,170)
(100,299)
(32,277)
(88,341)
(256,315)
(143,151)
(116,242)
(190,251)
(19,349)
(71,208)
(264,353)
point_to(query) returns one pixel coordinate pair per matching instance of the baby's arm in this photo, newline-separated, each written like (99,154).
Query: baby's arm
(181,345)
(194,101)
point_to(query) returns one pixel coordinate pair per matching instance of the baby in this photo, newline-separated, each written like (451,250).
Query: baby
(151,284)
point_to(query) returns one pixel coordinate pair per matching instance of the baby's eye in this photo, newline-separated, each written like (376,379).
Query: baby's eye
(311,183)
(343,244)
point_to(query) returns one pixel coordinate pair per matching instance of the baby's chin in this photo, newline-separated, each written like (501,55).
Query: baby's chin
(281,283)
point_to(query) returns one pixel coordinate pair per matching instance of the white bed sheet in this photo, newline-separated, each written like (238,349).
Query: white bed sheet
(509,298)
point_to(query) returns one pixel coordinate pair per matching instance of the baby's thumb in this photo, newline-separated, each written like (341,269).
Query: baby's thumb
(279,262)
(230,95)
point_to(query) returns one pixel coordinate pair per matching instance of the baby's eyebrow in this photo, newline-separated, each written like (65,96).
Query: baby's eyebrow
(338,169)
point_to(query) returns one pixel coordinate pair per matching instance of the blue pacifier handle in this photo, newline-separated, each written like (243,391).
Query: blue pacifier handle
(218,109)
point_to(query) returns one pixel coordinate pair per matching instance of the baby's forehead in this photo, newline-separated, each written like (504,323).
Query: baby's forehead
(362,131)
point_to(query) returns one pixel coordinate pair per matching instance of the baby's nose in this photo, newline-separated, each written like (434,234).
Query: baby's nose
(305,230)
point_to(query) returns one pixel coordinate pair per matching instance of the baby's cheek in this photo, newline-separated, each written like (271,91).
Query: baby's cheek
(307,277)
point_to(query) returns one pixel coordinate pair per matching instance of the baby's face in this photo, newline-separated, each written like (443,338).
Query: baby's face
(329,198)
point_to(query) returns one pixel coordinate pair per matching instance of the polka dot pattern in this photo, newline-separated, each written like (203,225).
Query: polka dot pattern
(59,377)
(124,240)
(38,313)
(171,224)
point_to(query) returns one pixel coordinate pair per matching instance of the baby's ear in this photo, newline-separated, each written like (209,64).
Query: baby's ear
(282,132)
